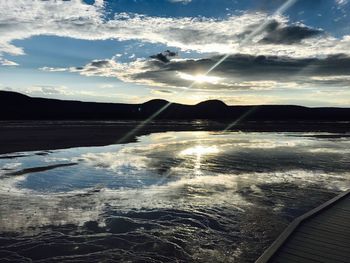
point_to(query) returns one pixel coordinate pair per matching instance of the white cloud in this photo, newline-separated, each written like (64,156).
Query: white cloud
(51,69)
(23,19)
(6,62)
(47,90)
(110,68)
(181,1)
(63,92)
(341,2)
(332,78)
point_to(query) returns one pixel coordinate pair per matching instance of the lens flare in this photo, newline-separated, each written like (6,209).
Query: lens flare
(283,8)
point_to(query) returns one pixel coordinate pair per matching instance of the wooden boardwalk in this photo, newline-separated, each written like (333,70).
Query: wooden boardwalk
(321,235)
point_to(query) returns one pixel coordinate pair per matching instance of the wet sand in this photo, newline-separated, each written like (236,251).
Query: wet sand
(17,136)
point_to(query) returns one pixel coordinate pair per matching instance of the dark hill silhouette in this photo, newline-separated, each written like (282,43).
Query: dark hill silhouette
(16,106)
(211,103)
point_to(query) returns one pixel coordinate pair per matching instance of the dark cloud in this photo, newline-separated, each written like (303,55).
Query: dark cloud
(237,72)
(278,34)
(165,91)
(95,64)
(162,91)
(164,56)
(258,65)
(237,68)
(100,63)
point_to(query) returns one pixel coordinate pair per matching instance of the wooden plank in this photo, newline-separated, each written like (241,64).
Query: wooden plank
(312,256)
(340,221)
(323,236)
(342,207)
(318,251)
(334,216)
(281,258)
(322,243)
(329,227)
(328,248)
(344,211)
(304,256)
(345,205)
(288,258)
(323,231)
(332,242)
(336,212)
(345,201)
(340,224)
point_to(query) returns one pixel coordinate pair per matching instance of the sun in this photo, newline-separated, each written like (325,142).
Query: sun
(199,78)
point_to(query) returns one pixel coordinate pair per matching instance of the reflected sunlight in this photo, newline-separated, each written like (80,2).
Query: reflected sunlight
(200,150)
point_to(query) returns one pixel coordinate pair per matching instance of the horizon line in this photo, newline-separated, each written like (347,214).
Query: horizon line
(166,101)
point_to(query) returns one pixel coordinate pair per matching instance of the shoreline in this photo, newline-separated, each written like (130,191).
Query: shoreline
(21,136)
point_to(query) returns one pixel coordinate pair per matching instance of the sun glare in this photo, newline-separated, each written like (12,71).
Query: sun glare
(199,78)
(196,153)
(200,150)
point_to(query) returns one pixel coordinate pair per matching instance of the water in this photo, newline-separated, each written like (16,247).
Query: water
(169,197)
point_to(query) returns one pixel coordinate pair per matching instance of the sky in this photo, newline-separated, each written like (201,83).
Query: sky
(132,51)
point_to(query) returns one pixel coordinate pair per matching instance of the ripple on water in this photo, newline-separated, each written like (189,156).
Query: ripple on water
(175,196)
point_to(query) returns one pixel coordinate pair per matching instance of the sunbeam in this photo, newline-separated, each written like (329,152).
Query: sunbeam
(283,8)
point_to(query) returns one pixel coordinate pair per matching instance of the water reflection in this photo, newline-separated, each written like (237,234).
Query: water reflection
(185,196)
(198,151)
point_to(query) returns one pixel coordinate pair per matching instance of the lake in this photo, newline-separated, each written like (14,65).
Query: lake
(168,197)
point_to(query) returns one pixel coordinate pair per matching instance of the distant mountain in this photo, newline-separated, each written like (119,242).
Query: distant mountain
(16,106)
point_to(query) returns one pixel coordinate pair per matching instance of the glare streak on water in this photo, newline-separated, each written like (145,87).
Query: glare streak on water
(185,196)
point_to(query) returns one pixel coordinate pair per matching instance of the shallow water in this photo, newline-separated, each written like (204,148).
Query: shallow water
(185,196)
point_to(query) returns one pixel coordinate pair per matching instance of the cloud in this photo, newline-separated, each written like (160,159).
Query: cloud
(341,2)
(101,68)
(180,1)
(162,92)
(332,81)
(51,69)
(238,72)
(64,92)
(47,90)
(6,62)
(281,34)
(23,19)
(164,56)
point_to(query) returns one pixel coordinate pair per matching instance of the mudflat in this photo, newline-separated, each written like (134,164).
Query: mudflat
(16,136)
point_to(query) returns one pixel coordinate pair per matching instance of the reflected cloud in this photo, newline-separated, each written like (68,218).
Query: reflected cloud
(116,161)
(218,196)
(10,166)
(182,170)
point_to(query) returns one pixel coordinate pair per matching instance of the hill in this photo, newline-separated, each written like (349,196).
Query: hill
(16,106)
